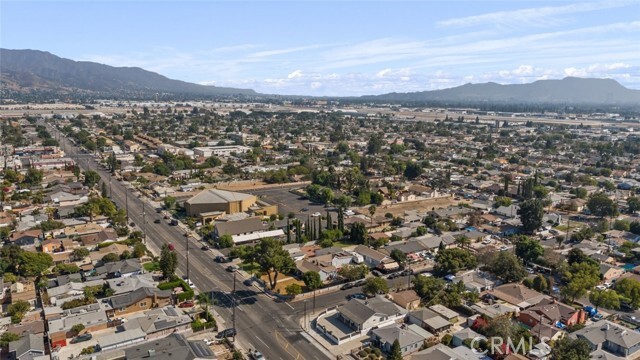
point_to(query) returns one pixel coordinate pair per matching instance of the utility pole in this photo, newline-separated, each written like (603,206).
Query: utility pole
(126,202)
(110,188)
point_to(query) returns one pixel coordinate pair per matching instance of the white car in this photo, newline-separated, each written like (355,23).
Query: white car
(349,212)
(316,214)
(601,287)
(257,355)
(504,248)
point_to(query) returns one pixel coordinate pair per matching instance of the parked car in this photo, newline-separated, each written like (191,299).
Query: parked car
(304,209)
(186,304)
(357,296)
(346,286)
(81,338)
(232,268)
(316,214)
(248,282)
(376,273)
(530,270)
(204,247)
(257,355)
(171,247)
(360,282)
(156,221)
(226,333)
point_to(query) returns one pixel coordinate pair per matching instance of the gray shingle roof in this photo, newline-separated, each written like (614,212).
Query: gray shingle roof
(133,297)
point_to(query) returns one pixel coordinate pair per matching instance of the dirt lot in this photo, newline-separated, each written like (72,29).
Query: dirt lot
(420,205)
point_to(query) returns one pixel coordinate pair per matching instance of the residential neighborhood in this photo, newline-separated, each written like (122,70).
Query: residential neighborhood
(147,228)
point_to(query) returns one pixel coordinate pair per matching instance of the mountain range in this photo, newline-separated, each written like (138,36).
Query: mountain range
(32,71)
(29,70)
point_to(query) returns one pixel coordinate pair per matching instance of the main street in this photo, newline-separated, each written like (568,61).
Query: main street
(272,328)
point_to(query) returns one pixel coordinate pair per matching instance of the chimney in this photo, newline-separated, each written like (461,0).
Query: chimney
(151,352)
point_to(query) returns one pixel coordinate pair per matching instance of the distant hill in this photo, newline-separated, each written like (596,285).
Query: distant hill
(24,71)
(568,90)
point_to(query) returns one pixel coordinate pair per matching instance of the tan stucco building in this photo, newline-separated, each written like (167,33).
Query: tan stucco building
(219,200)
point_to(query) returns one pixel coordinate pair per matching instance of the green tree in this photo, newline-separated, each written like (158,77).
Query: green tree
(34,264)
(633,204)
(529,249)
(8,337)
(429,288)
(412,170)
(450,261)
(358,233)
(225,241)
(169,202)
(312,280)
(273,259)
(33,177)
(293,289)
(580,277)
(599,204)
(80,253)
(375,286)
(540,284)
(77,328)
(168,262)
(396,351)
(531,212)
(399,257)
(353,272)
(508,267)
(607,299)
(629,289)
(622,225)
(91,178)
(103,191)
(570,349)
(112,257)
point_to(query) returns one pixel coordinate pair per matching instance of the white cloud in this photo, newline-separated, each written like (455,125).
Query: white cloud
(295,74)
(540,16)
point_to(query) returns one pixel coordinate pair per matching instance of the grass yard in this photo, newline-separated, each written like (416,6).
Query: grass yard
(151,266)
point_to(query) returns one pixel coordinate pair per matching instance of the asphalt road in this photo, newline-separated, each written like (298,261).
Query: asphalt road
(263,324)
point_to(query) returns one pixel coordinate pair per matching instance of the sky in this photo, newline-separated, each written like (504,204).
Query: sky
(336,47)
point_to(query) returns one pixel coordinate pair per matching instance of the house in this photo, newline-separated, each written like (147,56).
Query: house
(384,337)
(466,334)
(477,281)
(121,339)
(429,320)
(610,338)
(70,291)
(445,312)
(376,259)
(25,238)
(93,317)
(553,312)
(51,245)
(363,315)
(122,268)
(28,347)
(160,322)
(125,285)
(245,230)
(407,299)
(518,295)
(609,272)
(540,351)
(438,352)
(140,299)
(172,347)
(25,291)
(326,271)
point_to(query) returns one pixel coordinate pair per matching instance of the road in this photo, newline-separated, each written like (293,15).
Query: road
(263,324)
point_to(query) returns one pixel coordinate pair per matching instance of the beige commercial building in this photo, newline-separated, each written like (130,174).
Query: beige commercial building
(212,200)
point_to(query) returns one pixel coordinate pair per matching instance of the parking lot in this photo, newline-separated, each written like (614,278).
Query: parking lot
(288,202)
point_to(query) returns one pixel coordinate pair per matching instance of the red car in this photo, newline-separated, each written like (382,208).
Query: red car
(171,247)
(186,304)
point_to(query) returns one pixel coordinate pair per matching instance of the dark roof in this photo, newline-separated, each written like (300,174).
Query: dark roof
(26,344)
(172,347)
(122,267)
(240,226)
(133,297)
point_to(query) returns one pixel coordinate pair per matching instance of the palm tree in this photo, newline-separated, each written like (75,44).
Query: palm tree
(463,241)
(50,212)
(372,211)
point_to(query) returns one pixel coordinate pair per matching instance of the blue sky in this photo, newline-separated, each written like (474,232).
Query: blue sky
(339,47)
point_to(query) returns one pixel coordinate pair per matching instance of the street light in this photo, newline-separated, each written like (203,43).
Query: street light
(304,319)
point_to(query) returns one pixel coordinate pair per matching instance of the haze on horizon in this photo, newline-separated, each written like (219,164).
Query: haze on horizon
(339,48)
